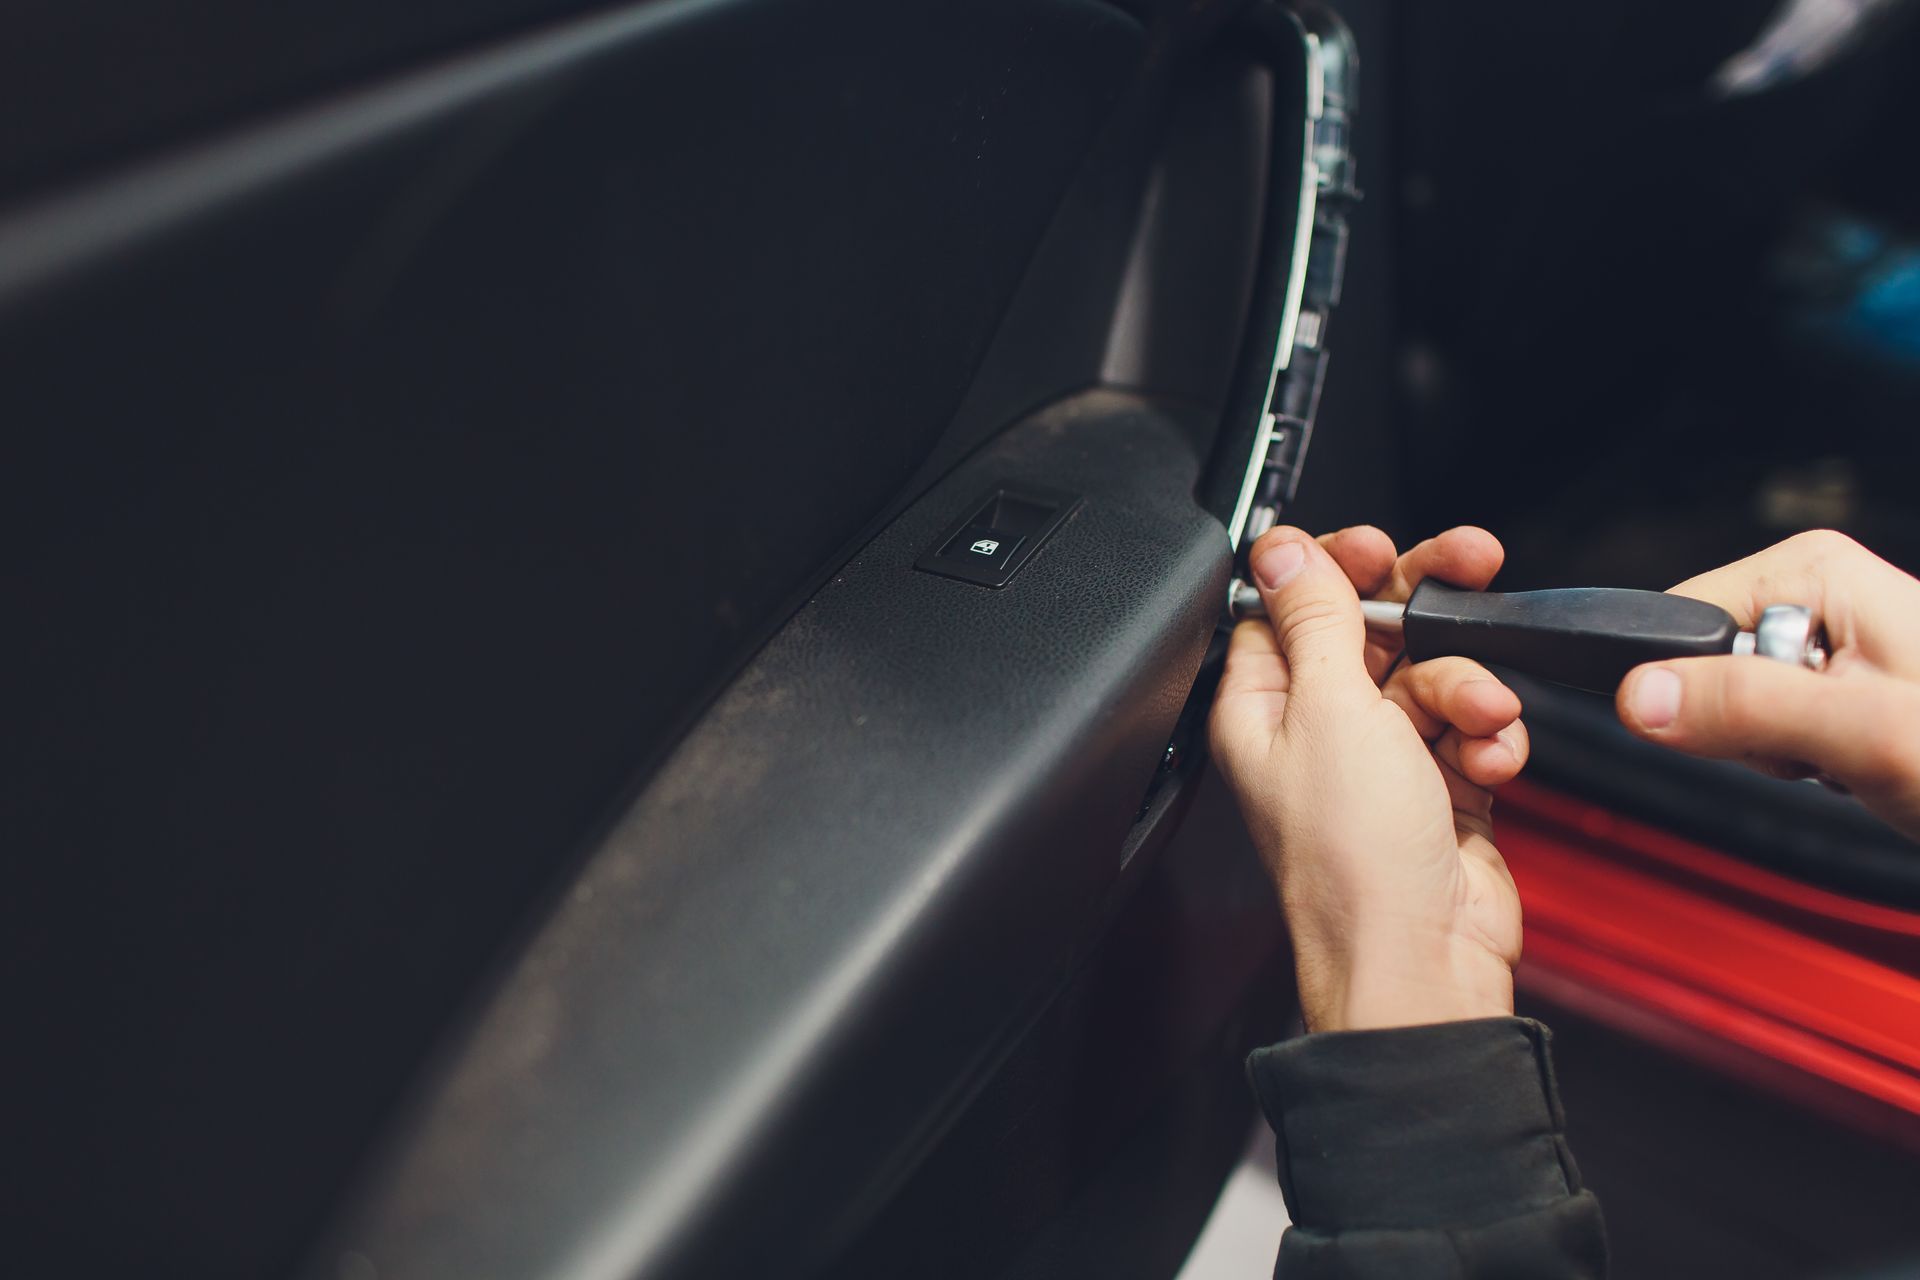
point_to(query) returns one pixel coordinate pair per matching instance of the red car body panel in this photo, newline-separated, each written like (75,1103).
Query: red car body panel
(1792,987)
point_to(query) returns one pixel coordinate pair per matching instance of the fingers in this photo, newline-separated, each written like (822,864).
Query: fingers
(1453,691)
(1486,762)
(1365,554)
(1790,572)
(1464,557)
(1858,728)
(1315,616)
(1471,718)
(1251,703)
(1864,602)
(1253,661)
(1472,805)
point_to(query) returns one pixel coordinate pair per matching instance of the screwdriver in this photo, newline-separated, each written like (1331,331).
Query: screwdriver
(1585,637)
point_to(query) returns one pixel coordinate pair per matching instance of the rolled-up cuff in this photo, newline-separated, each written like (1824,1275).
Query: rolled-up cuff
(1451,1125)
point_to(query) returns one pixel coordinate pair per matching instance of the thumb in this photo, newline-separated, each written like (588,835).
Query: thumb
(1856,728)
(1315,615)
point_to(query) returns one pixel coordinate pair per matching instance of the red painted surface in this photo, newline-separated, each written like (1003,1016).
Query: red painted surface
(1800,989)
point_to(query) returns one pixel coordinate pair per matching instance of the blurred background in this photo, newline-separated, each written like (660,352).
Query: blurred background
(1635,286)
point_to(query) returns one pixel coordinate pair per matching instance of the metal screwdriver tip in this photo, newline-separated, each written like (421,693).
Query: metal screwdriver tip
(1243,601)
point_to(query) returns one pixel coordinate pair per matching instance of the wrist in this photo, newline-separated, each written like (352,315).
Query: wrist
(1403,985)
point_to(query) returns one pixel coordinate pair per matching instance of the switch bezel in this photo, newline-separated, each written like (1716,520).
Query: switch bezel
(1025,514)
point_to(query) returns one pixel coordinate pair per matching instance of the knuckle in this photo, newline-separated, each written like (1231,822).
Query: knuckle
(1418,679)
(1463,671)
(1312,619)
(1439,677)
(1824,544)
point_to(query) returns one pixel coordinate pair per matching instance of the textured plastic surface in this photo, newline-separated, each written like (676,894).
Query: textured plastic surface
(1060,1168)
(1584,637)
(812,933)
(385,487)
(400,458)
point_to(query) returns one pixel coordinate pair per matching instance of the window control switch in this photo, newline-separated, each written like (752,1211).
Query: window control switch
(997,535)
(981,544)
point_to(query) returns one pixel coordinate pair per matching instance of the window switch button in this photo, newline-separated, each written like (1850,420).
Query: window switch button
(997,535)
(982,546)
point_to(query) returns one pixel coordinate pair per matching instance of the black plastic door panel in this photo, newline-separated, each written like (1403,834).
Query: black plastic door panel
(482,769)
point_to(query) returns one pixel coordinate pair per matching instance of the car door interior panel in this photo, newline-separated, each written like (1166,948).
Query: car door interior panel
(883,938)
(612,606)
(488,758)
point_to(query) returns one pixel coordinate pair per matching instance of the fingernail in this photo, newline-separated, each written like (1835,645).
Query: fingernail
(1277,565)
(1655,698)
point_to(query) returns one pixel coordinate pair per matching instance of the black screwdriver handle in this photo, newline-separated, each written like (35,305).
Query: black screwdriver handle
(1587,637)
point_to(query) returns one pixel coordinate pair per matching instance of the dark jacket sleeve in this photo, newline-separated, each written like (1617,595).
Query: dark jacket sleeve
(1431,1151)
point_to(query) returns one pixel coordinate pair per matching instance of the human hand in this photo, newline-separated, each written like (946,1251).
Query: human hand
(1366,786)
(1857,722)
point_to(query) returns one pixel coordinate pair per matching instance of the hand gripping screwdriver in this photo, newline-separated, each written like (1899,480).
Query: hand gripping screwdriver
(1585,637)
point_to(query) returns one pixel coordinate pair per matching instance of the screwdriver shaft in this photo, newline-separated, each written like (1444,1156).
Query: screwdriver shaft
(1382,615)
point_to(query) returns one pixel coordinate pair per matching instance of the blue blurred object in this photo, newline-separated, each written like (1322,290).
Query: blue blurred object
(1887,311)
(1853,288)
